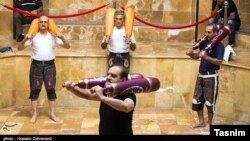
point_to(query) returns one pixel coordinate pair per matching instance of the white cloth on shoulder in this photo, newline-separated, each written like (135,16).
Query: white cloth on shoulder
(228,50)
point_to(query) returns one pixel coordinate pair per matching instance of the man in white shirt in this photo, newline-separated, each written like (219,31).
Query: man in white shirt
(43,67)
(118,44)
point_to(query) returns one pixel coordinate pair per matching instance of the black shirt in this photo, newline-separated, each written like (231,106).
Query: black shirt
(28,5)
(113,122)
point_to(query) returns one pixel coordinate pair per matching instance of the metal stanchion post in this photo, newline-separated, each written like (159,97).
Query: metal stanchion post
(114,4)
(225,11)
(225,18)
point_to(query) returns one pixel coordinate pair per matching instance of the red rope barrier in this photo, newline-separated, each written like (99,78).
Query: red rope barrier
(104,5)
(21,11)
(54,16)
(175,27)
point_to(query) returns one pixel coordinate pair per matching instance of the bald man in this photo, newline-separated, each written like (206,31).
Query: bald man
(43,68)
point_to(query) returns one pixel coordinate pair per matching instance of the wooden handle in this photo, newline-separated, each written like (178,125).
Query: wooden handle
(34,27)
(129,21)
(109,21)
(52,27)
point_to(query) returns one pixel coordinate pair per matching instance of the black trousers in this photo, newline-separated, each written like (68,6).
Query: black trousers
(42,71)
(119,59)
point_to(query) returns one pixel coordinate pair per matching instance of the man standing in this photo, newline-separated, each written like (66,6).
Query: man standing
(31,6)
(116,112)
(206,88)
(118,44)
(43,67)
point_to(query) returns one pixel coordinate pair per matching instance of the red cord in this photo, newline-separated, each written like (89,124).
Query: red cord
(175,27)
(104,5)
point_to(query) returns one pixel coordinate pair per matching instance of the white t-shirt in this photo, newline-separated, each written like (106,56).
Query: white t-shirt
(43,46)
(117,42)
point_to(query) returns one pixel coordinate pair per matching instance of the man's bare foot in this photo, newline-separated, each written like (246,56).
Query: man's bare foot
(33,119)
(207,128)
(199,125)
(55,118)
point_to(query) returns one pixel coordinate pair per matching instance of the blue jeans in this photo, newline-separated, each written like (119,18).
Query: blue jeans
(231,35)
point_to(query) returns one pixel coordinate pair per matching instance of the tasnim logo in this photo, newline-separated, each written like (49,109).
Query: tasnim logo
(236,133)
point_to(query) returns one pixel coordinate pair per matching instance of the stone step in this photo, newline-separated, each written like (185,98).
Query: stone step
(243,40)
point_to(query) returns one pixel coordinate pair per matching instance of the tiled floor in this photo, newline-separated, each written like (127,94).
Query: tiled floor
(83,121)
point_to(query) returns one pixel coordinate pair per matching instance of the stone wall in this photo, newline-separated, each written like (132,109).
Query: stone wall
(6,24)
(177,77)
(159,12)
